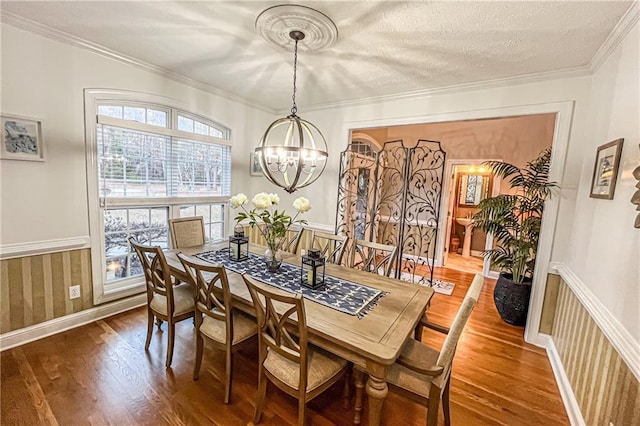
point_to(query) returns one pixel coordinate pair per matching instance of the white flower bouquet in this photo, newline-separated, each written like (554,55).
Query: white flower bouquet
(273,224)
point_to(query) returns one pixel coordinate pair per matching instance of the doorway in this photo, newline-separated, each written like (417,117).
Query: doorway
(562,113)
(461,246)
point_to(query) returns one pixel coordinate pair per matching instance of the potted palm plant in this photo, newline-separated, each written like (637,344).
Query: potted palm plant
(514,220)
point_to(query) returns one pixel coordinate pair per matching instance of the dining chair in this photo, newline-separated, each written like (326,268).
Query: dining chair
(166,300)
(226,328)
(374,257)
(187,232)
(422,373)
(331,246)
(291,363)
(291,240)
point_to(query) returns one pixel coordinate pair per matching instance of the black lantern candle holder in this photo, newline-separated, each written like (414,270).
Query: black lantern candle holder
(312,270)
(238,245)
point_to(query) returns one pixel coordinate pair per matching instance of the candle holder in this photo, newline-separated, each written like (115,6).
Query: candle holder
(312,270)
(238,245)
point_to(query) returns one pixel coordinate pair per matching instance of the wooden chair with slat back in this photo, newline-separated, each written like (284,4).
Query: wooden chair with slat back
(374,257)
(187,232)
(292,364)
(166,301)
(291,240)
(331,246)
(226,328)
(422,373)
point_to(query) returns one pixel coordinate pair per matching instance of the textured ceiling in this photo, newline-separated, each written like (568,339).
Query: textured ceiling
(383,47)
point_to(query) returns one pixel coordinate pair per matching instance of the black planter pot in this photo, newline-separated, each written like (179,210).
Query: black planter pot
(512,300)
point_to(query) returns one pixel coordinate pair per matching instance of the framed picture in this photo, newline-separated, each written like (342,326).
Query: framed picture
(254,165)
(21,139)
(605,170)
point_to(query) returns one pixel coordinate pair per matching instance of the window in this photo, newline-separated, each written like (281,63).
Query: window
(151,162)
(213,215)
(147,225)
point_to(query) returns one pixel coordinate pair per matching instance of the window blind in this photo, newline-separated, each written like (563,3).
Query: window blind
(137,164)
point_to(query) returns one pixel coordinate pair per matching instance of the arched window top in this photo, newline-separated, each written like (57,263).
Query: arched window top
(162,116)
(362,147)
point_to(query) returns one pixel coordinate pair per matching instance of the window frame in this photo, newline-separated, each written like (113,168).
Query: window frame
(96,204)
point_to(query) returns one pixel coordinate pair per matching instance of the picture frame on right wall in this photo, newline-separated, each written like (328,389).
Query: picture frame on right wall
(605,170)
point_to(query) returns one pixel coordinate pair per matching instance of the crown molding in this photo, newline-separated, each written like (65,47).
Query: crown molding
(580,71)
(23,23)
(615,37)
(622,28)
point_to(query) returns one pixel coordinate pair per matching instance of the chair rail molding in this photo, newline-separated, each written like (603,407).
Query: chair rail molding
(321,227)
(10,251)
(620,338)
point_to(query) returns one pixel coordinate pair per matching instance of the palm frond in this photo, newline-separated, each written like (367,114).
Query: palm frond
(514,220)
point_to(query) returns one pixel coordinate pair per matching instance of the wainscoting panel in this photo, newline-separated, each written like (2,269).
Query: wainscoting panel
(605,388)
(35,289)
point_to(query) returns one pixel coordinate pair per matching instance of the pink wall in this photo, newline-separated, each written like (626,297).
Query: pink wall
(512,139)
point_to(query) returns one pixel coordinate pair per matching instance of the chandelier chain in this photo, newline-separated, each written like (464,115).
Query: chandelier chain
(294,107)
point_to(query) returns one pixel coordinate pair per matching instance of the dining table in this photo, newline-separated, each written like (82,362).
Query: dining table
(373,342)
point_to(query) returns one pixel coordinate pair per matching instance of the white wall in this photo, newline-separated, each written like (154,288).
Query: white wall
(45,79)
(604,250)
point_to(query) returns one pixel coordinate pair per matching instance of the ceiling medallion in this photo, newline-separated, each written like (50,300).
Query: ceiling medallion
(275,23)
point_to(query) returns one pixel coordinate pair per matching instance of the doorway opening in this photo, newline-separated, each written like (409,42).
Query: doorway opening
(468,183)
(467,144)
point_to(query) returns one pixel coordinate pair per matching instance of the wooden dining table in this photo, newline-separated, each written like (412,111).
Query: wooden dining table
(372,343)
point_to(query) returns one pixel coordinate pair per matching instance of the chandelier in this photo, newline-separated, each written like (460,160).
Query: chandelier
(293,152)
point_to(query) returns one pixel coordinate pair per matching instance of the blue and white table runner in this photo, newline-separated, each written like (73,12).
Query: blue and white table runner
(341,295)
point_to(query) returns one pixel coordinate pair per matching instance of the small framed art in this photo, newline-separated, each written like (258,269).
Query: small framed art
(605,170)
(21,139)
(254,165)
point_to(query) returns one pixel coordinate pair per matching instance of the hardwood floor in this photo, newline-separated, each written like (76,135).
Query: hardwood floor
(100,374)
(469,264)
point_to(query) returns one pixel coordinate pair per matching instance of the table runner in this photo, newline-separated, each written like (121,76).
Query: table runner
(341,295)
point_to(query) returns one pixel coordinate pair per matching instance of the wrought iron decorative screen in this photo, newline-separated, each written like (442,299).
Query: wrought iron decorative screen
(393,197)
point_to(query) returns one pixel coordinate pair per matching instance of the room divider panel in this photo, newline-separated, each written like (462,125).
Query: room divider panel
(392,196)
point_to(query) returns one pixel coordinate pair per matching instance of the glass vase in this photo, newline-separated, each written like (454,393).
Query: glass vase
(272,255)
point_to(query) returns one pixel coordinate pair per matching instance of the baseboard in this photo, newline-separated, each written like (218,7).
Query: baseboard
(15,338)
(566,392)
(620,338)
(493,274)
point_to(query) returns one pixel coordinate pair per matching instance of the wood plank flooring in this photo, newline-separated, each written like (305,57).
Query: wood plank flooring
(100,374)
